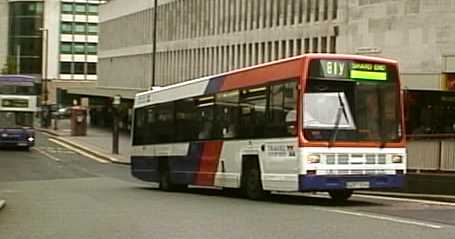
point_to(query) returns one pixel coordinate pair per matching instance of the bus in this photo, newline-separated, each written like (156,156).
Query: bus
(18,105)
(316,122)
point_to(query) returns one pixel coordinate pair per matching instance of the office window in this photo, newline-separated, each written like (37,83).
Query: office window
(79,48)
(66,47)
(92,29)
(307,45)
(326,9)
(323,44)
(91,68)
(67,8)
(315,44)
(79,28)
(80,9)
(65,67)
(92,9)
(67,27)
(91,48)
(316,10)
(79,68)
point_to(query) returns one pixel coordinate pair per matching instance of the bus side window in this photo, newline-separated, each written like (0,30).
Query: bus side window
(227,104)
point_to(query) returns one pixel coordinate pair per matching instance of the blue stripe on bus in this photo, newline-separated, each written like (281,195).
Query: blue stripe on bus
(183,168)
(214,85)
(322,183)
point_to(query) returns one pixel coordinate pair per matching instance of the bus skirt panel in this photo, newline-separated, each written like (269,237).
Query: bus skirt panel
(341,182)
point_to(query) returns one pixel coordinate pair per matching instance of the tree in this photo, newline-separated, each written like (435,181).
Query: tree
(10,66)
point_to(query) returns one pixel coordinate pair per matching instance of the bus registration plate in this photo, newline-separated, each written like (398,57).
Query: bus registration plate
(357,184)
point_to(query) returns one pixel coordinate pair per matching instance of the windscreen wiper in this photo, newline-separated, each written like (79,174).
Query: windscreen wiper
(341,110)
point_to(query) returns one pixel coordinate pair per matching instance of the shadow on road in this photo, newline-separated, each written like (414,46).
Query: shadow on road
(298,199)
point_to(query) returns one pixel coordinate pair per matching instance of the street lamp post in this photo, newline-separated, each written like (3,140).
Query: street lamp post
(45,114)
(155,9)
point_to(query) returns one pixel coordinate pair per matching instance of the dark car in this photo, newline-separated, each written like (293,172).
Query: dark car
(62,113)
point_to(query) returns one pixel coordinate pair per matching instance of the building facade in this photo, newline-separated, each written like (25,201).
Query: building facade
(204,37)
(53,39)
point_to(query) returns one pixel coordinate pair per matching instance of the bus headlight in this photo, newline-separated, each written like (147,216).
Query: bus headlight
(31,139)
(313,158)
(397,159)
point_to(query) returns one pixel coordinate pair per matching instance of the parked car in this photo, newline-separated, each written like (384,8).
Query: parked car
(62,113)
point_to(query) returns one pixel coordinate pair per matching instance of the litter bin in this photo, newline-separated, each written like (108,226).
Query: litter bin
(78,121)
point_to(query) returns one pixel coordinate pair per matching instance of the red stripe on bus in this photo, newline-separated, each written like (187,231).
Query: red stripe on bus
(208,164)
(263,75)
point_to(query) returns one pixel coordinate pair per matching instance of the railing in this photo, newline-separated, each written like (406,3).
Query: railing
(435,153)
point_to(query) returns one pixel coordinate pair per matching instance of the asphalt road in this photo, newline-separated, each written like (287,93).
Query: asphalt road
(52,192)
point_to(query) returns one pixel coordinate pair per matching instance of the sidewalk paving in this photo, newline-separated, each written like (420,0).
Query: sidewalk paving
(97,142)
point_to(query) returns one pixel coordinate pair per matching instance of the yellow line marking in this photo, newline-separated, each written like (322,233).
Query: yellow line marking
(79,151)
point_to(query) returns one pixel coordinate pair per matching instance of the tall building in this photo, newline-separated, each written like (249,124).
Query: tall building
(53,39)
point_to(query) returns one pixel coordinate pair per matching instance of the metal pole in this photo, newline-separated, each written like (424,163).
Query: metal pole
(115,136)
(155,9)
(18,59)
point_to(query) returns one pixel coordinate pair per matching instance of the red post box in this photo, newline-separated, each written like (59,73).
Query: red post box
(78,121)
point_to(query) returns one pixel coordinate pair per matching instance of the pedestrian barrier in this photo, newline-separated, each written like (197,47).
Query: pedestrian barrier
(424,154)
(448,155)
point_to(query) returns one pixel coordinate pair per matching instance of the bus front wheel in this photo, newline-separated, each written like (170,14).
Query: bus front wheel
(340,195)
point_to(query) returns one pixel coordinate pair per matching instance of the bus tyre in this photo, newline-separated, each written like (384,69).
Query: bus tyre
(340,195)
(252,184)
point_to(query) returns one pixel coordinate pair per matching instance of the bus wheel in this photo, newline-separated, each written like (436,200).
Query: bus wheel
(340,195)
(252,185)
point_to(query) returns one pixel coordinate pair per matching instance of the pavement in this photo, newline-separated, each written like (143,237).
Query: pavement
(97,142)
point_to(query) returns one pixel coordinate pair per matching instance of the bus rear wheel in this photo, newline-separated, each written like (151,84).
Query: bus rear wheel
(252,184)
(340,195)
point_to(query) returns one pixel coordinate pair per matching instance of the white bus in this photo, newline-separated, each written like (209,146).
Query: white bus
(18,105)
(315,122)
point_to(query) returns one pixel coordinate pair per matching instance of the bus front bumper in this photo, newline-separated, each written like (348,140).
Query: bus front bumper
(351,182)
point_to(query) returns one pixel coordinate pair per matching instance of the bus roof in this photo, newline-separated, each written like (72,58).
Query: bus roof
(206,85)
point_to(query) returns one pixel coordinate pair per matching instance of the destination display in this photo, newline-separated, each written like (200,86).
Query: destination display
(348,70)
(14,103)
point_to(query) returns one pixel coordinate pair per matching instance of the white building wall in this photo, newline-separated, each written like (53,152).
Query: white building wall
(52,24)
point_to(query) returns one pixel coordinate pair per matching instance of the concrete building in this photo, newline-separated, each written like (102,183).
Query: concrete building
(53,39)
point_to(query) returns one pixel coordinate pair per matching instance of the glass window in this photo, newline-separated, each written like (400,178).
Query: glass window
(79,28)
(65,67)
(227,108)
(80,8)
(79,48)
(67,27)
(91,49)
(67,8)
(252,112)
(79,68)
(91,68)
(282,110)
(185,120)
(66,47)
(204,117)
(92,9)
(92,29)
(161,121)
